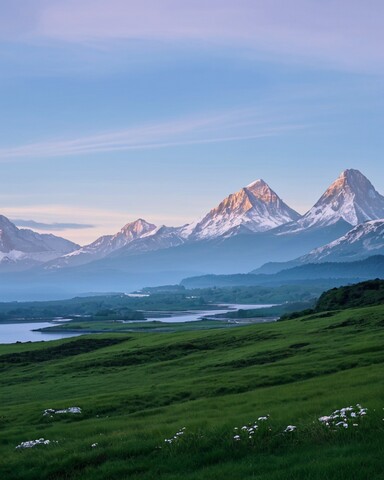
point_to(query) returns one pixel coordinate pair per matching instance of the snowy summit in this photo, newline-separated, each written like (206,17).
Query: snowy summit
(254,208)
(351,198)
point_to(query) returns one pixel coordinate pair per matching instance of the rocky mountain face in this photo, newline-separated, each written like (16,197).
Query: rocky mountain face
(23,248)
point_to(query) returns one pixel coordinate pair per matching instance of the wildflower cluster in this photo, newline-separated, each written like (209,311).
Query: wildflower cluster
(246,432)
(176,437)
(33,443)
(290,428)
(344,417)
(49,412)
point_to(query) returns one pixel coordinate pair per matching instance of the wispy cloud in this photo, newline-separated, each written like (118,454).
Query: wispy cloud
(344,33)
(224,127)
(51,226)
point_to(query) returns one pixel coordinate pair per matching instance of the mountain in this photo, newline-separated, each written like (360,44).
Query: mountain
(333,272)
(156,239)
(23,248)
(255,208)
(351,199)
(104,245)
(362,241)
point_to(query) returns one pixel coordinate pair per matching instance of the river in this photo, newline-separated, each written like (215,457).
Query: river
(24,332)
(195,316)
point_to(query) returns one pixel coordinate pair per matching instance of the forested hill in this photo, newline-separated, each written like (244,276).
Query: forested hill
(362,294)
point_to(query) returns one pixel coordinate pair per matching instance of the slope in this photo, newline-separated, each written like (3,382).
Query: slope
(138,390)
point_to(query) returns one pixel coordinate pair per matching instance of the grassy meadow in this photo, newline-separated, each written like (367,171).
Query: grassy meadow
(137,390)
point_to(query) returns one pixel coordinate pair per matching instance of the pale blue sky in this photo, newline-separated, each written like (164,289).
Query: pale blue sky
(118,109)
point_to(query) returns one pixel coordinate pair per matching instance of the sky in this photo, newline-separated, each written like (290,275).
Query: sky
(113,110)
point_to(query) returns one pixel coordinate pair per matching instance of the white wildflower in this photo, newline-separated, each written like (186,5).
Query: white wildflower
(33,443)
(290,428)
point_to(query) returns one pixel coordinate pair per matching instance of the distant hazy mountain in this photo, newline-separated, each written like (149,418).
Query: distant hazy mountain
(351,198)
(362,241)
(255,208)
(104,245)
(157,239)
(372,267)
(21,248)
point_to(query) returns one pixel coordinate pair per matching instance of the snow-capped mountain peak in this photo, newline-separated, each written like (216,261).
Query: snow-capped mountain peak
(350,198)
(261,190)
(354,197)
(255,208)
(108,243)
(135,229)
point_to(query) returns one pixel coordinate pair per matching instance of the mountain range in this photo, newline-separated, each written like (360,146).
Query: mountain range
(247,229)
(23,248)
(350,200)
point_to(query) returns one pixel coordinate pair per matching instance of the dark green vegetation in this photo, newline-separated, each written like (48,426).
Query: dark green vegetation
(107,307)
(135,390)
(360,295)
(363,294)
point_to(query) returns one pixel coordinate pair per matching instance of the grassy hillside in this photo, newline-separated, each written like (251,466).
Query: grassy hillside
(136,390)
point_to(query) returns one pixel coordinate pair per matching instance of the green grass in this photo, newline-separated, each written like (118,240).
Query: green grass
(135,390)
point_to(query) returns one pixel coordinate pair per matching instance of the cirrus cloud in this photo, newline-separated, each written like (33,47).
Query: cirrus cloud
(343,33)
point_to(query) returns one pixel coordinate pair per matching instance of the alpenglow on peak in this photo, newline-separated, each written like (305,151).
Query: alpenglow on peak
(350,198)
(254,208)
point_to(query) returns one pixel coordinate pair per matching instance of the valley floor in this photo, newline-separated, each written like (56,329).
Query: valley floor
(137,390)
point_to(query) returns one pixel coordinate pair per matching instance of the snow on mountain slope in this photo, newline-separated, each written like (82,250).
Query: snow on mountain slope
(104,245)
(255,208)
(157,239)
(108,243)
(23,247)
(362,241)
(351,198)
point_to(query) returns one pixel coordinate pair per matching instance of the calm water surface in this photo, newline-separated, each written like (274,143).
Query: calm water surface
(197,315)
(23,332)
